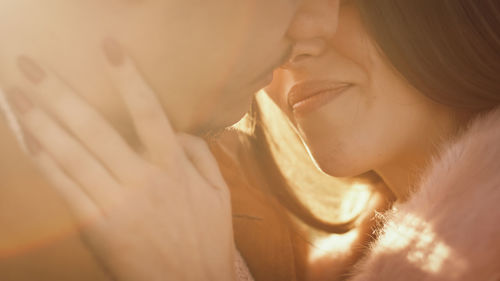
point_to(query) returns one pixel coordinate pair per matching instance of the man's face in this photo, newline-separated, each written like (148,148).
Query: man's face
(204,58)
(207,58)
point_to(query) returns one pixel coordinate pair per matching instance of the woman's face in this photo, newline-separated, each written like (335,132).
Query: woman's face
(352,109)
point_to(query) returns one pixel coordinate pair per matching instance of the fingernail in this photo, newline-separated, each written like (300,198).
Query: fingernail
(32,144)
(31,70)
(113,52)
(18,100)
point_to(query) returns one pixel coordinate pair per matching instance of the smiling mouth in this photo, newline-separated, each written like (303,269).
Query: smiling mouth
(309,96)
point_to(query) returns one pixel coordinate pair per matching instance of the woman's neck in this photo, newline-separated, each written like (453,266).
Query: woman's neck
(400,179)
(403,175)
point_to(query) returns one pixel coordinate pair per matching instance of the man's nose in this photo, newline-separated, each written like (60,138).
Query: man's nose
(313,26)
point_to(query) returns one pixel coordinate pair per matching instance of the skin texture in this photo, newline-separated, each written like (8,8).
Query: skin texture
(213,70)
(379,123)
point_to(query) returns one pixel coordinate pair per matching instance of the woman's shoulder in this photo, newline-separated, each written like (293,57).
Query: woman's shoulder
(448,229)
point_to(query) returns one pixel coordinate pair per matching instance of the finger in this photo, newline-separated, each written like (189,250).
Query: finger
(83,208)
(11,120)
(81,119)
(151,123)
(78,163)
(202,158)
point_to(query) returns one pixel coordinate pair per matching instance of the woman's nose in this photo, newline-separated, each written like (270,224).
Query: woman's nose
(312,27)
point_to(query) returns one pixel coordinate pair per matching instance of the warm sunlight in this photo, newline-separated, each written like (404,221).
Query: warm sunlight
(249,140)
(332,245)
(354,202)
(425,249)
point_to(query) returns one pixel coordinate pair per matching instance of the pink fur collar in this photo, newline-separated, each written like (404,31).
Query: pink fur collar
(450,227)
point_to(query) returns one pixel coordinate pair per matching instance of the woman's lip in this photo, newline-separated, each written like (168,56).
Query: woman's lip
(305,97)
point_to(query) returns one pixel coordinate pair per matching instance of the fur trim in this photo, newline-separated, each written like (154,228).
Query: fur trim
(450,227)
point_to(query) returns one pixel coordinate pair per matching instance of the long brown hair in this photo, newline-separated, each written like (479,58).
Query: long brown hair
(449,50)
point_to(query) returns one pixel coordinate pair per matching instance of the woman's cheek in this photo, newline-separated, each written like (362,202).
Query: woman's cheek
(278,90)
(341,138)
